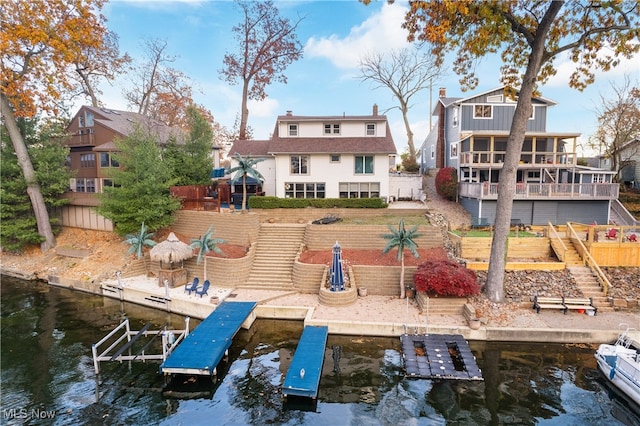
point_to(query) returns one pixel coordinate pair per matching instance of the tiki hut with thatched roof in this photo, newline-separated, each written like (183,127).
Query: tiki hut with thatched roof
(170,253)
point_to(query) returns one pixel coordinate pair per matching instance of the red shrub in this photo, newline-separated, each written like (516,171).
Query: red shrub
(446,278)
(447,183)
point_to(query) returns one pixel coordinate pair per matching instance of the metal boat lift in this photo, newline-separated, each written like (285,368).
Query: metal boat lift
(126,339)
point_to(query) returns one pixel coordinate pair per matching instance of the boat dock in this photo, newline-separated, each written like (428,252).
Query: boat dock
(203,349)
(303,376)
(439,356)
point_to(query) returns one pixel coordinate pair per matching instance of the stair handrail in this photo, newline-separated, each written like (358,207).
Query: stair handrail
(553,234)
(588,260)
(624,214)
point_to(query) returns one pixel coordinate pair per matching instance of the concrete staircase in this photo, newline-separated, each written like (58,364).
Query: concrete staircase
(276,248)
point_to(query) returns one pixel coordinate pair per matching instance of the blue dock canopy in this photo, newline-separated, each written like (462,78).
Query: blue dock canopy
(203,349)
(303,377)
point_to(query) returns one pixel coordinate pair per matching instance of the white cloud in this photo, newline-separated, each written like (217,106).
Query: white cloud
(565,67)
(265,108)
(381,32)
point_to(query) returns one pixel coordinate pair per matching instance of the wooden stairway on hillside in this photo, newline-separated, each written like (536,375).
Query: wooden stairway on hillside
(276,249)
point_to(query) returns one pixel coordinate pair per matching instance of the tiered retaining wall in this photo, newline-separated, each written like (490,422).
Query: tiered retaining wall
(363,237)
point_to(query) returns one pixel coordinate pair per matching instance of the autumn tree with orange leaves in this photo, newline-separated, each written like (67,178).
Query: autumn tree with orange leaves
(267,44)
(530,37)
(40,43)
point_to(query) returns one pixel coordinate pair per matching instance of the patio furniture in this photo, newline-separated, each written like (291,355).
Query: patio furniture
(632,238)
(204,289)
(612,234)
(192,286)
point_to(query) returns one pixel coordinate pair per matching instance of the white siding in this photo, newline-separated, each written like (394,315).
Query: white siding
(331,174)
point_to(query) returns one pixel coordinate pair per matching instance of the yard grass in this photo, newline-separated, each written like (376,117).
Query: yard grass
(483,233)
(386,219)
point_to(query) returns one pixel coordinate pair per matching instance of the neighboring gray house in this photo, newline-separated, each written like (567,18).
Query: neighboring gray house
(471,135)
(628,164)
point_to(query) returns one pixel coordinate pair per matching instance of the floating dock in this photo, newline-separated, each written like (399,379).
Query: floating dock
(303,377)
(439,356)
(203,349)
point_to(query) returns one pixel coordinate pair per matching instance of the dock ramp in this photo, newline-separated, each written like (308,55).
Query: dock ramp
(203,349)
(303,377)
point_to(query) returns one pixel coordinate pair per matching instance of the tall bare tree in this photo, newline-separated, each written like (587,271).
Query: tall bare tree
(267,44)
(618,124)
(41,41)
(95,64)
(406,72)
(530,36)
(160,91)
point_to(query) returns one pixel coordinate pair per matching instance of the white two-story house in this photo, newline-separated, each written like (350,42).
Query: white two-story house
(324,156)
(471,136)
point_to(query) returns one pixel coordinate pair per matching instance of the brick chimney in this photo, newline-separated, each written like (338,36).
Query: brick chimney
(289,113)
(375,109)
(443,92)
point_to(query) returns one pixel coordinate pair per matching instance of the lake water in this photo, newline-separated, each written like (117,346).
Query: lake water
(48,376)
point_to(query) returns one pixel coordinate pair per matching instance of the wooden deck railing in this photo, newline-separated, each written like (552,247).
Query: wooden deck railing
(546,191)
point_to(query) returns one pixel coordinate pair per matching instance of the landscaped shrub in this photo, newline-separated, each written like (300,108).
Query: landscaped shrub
(445,278)
(269,202)
(410,165)
(447,183)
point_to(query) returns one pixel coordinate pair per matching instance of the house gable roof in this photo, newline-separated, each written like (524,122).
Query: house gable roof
(321,144)
(125,122)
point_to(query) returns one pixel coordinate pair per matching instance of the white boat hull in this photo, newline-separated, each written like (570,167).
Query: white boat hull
(621,366)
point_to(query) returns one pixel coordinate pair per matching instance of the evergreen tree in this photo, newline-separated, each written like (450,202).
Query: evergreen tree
(141,187)
(19,226)
(192,163)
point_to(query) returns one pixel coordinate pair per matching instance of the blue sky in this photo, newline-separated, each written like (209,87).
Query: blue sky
(335,35)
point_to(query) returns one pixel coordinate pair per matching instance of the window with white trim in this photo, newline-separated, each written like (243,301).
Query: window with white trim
(293,129)
(363,165)
(598,178)
(299,165)
(332,129)
(495,98)
(359,189)
(482,111)
(370,129)
(455,117)
(433,152)
(304,190)
(453,150)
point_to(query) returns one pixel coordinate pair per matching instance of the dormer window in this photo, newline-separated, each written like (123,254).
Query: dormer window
(371,129)
(482,111)
(293,130)
(332,129)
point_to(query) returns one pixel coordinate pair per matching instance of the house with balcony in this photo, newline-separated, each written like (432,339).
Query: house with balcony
(471,135)
(347,156)
(91,135)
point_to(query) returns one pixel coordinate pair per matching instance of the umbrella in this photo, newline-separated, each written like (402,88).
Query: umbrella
(337,275)
(171,250)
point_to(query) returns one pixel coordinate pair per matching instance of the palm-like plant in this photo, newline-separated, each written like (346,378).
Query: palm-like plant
(402,239)
(245,168)
(205,244)
(139,241)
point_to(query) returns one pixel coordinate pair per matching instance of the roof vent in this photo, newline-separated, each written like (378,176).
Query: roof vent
(289,113)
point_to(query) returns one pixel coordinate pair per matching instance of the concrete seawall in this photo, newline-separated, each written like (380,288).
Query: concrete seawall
(201,308)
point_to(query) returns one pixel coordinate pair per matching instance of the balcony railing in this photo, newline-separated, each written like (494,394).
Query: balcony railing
(544,191)
(496,158)
(85,139)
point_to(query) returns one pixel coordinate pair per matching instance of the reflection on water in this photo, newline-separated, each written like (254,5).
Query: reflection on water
(47,376)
